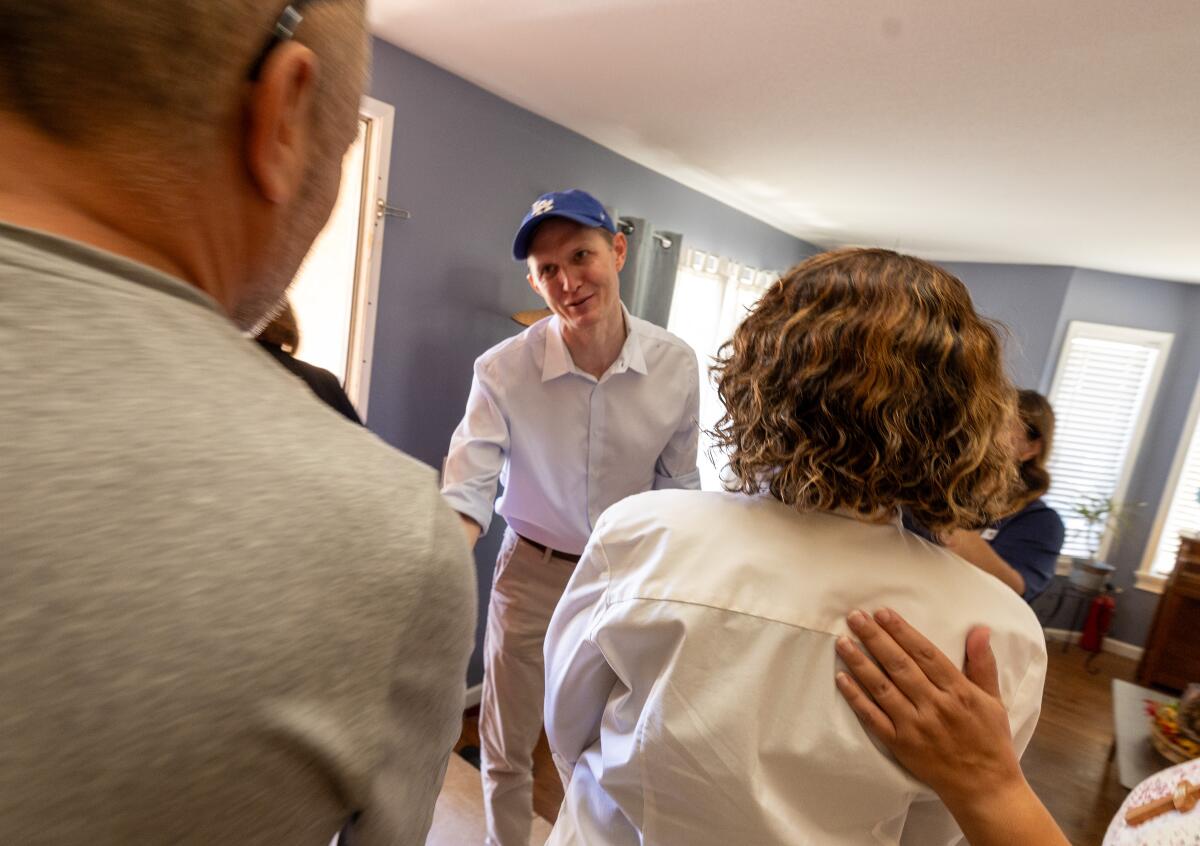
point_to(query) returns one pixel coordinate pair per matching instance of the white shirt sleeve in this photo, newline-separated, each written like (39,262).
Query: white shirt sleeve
(676,466)
(476,455)
(578,676)
(1026,705)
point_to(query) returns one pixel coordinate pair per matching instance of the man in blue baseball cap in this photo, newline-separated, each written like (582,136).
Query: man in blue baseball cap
(579,411)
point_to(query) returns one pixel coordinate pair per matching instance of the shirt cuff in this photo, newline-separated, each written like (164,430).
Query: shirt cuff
(684,481)
(462,502)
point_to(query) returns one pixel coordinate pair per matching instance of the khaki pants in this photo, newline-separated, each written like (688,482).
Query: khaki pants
(525,589)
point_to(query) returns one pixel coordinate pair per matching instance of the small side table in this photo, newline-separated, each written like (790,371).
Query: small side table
(1137,759)
(1082,598)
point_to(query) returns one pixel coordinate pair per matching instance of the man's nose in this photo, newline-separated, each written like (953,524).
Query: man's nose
(568,281)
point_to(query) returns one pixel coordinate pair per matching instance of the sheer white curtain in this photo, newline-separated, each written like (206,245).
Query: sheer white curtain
(712,296)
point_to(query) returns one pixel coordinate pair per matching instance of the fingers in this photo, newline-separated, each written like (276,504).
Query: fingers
(931,660)
(981,663)
(872,717)
(896,662)
(874,681)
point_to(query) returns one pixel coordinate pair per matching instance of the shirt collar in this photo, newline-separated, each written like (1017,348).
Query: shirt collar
(35,245)
(893,518)
(558,358)
(632,353)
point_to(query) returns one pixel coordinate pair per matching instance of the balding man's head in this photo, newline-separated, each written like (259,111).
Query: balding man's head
(159,94)
(166,71)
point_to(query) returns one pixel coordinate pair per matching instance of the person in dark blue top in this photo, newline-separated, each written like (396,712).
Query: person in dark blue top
(281,338)
(1022,549)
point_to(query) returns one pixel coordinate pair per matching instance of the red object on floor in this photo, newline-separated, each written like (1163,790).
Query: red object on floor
(1099,620)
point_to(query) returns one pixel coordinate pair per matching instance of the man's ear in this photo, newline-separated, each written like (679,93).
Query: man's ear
(533,284)
(279,122)
(620,247)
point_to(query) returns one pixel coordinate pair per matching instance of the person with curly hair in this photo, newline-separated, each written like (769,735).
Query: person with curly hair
(1022,549)
(691,665)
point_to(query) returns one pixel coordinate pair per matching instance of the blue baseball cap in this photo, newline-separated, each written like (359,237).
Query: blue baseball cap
(576,205)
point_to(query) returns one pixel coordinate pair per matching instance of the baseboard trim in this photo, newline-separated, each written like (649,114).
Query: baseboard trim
(1116,647)
(474,695)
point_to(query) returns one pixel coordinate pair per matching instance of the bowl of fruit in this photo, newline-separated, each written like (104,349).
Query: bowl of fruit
(1172,728)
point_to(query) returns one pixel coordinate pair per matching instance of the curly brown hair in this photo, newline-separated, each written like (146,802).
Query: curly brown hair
(864,381)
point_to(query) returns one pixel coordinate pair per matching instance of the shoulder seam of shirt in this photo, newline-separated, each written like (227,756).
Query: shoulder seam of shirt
(611,603)
(607,573)
(652,332)
(1025,677)
(50,254)
(1041,514)
(511,345)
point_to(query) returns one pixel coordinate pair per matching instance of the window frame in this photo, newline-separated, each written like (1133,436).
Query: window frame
(1126,335)
(377,154)
(1146,579)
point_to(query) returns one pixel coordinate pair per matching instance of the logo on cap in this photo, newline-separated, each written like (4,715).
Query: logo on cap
(541,207)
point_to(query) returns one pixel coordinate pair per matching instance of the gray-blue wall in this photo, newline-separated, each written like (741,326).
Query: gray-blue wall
(467,165)
(1098,297)
(1038,303)
(1027,299)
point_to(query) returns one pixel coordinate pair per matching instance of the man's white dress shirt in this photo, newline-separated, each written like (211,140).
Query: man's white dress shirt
(566,445)
(690,666)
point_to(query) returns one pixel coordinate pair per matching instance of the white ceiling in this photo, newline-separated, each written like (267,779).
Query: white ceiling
(1031,131)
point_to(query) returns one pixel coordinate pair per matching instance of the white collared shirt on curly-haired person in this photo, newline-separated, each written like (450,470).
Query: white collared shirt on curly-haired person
(690,674)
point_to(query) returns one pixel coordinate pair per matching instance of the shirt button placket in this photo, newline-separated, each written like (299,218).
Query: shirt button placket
(594,462)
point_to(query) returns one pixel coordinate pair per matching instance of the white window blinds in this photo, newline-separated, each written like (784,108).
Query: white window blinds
(1103,390)
(1183,503)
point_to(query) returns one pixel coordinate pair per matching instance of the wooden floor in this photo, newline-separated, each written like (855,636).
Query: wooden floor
(547,786)
(1066,762)
(458,818)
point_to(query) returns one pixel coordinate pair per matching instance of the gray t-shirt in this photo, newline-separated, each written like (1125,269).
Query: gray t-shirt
(227,615)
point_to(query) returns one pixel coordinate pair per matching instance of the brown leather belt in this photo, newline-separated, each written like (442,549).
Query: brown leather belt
(554,553)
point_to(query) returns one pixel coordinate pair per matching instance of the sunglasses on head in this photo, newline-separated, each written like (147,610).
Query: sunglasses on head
(284,30)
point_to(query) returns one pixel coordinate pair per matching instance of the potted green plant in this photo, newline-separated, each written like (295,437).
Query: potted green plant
(1100,514)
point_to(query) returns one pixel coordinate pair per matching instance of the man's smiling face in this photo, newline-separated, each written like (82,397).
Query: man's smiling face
(576,269)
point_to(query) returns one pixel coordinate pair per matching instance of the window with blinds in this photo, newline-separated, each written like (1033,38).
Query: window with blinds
(1181,507)
(1102,394)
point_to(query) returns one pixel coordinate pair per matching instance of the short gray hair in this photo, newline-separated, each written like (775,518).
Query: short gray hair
(167,72)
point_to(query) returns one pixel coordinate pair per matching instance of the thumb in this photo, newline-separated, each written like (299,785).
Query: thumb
(981,663)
